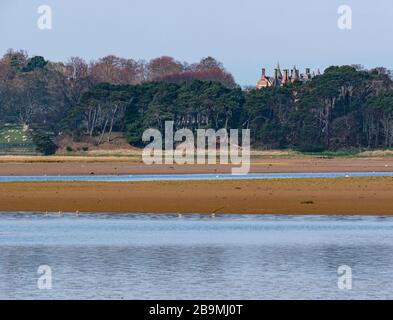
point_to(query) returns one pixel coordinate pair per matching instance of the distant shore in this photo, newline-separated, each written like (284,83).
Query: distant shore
(340,196)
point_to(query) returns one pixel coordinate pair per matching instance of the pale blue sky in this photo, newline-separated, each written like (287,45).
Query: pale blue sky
(245,35)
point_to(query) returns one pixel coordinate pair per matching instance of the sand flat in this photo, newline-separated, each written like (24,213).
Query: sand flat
(363,196)
(34,166)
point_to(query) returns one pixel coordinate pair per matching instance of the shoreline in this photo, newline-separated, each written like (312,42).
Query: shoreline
(317,196)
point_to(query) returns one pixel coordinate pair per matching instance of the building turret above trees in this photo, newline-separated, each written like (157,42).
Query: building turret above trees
(282,78)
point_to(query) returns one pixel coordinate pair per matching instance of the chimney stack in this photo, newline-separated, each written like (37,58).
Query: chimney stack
(308,75)
(263,73)
(285,76)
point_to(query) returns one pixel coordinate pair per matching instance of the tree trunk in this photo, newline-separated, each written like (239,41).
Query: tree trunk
(112,122)
(103,132)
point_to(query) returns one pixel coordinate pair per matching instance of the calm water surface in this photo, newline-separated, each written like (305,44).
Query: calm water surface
(131,256)
(187,177)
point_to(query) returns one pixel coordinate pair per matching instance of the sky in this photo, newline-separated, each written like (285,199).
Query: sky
(245,35)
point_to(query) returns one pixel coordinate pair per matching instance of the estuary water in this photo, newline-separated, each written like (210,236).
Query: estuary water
(192,177)
(130,256)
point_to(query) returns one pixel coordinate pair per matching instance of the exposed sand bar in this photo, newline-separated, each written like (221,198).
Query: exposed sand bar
(363,196)
(33,166)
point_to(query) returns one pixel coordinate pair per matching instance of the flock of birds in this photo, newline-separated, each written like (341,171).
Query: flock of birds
(77,213)
(61,213)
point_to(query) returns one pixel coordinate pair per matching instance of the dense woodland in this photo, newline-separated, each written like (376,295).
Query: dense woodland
(345,107)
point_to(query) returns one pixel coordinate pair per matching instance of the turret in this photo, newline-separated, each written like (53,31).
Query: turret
(279,75)
(294,74)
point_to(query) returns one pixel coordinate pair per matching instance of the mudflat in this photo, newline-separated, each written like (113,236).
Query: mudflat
(354,196)
(34,166)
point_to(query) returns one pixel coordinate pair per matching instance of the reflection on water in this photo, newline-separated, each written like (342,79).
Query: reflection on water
(195,257)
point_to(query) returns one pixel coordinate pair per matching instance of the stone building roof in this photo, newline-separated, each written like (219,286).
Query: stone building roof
(281,78)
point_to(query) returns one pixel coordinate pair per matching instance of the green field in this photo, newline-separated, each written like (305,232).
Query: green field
(14,140)
(13,134)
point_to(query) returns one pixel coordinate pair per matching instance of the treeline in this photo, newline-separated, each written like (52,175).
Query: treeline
(346,107)
(42,94)
(133,109)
